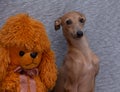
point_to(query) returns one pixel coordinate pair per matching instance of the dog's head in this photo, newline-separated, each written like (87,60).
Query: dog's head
(22,43)
(72,24)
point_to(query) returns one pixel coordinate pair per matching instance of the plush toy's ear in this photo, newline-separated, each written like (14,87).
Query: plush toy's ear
(4,61)
(48,69)
(57,24)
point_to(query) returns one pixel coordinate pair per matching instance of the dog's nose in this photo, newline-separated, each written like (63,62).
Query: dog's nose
(33,54)
(79,33)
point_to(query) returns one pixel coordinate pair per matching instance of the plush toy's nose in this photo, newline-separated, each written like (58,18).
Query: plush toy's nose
(33,54)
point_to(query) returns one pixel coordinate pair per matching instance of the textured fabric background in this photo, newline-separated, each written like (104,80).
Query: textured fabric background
(102,26)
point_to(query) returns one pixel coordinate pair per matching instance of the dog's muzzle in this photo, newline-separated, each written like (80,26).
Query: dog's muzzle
(79,34)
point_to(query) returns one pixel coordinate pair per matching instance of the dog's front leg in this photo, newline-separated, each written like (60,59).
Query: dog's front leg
(69,86)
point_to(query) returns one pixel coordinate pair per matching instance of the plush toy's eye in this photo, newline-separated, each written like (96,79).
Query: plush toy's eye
(21,53)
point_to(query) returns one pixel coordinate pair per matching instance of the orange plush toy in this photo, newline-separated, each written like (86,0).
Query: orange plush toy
(27,63)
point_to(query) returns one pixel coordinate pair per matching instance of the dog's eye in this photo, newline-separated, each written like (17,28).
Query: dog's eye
(68,22)
(21,53)
(81,20)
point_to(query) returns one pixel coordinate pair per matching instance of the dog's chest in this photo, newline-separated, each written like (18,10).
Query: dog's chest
(84,64)
(88,70)
(78,65)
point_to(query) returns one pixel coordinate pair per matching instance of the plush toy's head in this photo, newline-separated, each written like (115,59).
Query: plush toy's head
(25,51)
(22,42)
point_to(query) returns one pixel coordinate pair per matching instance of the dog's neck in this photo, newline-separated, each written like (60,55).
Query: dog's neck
(81,45)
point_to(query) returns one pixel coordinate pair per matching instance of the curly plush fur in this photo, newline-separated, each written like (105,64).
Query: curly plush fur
(23,33)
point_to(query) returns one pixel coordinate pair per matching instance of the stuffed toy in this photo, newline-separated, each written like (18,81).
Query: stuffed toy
(27,63)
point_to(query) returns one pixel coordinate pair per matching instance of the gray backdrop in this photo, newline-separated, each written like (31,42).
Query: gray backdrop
(102,26)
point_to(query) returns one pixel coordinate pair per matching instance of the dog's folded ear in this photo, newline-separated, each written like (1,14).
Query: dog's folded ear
(57,24)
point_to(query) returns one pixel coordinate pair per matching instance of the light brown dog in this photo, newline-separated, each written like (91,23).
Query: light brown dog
(80,66)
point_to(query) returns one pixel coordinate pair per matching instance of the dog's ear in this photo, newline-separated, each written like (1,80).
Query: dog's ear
(57,24)
(82,15)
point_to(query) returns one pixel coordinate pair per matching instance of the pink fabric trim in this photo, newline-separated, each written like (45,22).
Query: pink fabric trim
(32,85)
(23,83)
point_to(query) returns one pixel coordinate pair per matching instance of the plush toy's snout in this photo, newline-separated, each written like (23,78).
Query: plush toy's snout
(29,60)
